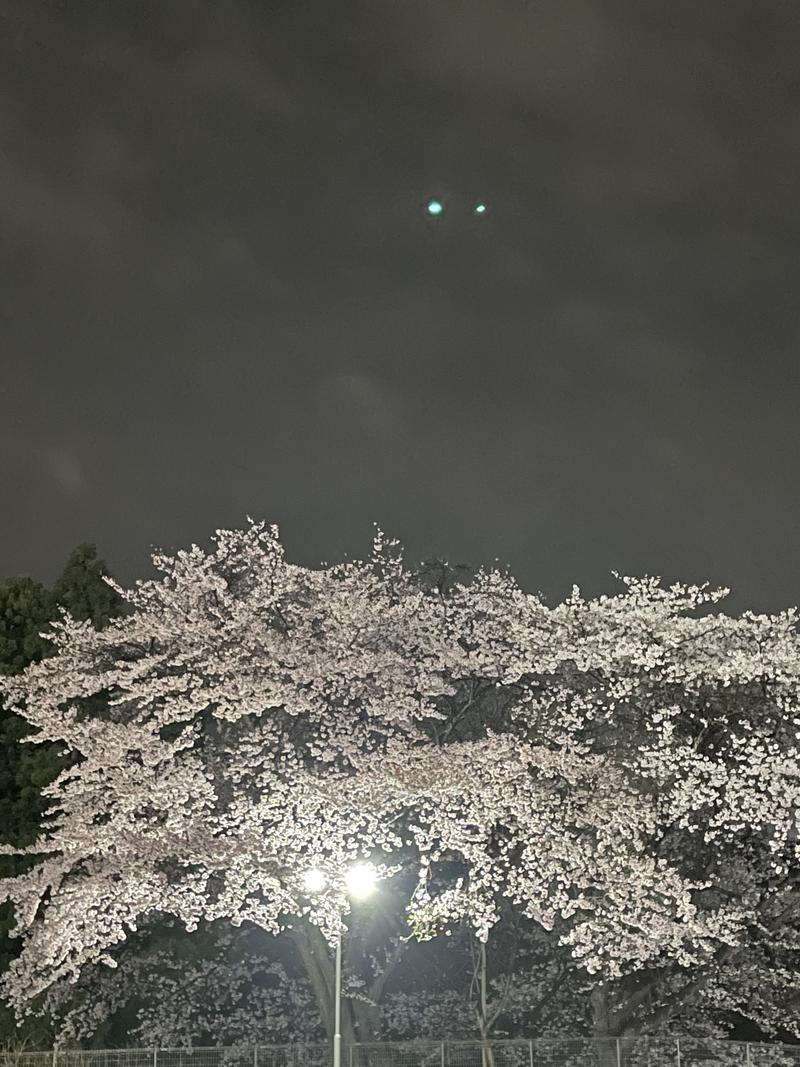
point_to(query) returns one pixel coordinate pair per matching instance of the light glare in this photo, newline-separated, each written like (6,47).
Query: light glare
(314,881)
(360,880)
(435,207)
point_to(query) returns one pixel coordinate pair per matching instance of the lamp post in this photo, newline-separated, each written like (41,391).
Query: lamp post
(360,881)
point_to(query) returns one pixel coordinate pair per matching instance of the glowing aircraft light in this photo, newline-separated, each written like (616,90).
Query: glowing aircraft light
(361,880)
(434,207)
(314,881)
(479,209)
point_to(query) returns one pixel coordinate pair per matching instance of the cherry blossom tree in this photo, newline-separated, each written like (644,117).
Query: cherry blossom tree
(217,987)
(225,994)
(602,766)
(519,984)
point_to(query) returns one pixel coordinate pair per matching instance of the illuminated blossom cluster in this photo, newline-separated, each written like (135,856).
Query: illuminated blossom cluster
(249,719)
(228,997)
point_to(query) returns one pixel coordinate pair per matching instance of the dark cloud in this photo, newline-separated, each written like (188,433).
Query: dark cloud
(222,296)
(64,468)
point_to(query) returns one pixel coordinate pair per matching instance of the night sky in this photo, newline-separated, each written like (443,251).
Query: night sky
(221,294)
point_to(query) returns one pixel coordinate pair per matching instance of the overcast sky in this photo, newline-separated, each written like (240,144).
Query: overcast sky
(221,295)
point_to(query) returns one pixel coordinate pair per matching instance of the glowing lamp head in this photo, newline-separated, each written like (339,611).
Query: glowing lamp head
(314,881)
(361,881)
(434,207)
(479,209)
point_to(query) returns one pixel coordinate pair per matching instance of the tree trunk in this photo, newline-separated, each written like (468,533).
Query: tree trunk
(359,1022)
(602,1029)
(487,1056)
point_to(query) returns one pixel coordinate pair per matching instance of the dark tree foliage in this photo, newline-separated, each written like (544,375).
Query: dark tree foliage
(26,610)
(82,591)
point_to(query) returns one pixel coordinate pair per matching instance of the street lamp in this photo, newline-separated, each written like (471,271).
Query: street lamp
(360,881)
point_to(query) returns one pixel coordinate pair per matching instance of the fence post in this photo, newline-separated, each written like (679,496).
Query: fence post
(155,1057)
(444,1061)
(678,1051)
(55,1055)
(530,1052)
(255,1055)
(619,1056)
(747,1054)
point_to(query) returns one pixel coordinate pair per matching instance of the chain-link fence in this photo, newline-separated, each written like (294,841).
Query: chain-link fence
(576,1052)
(541,1052)
(233,1056)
